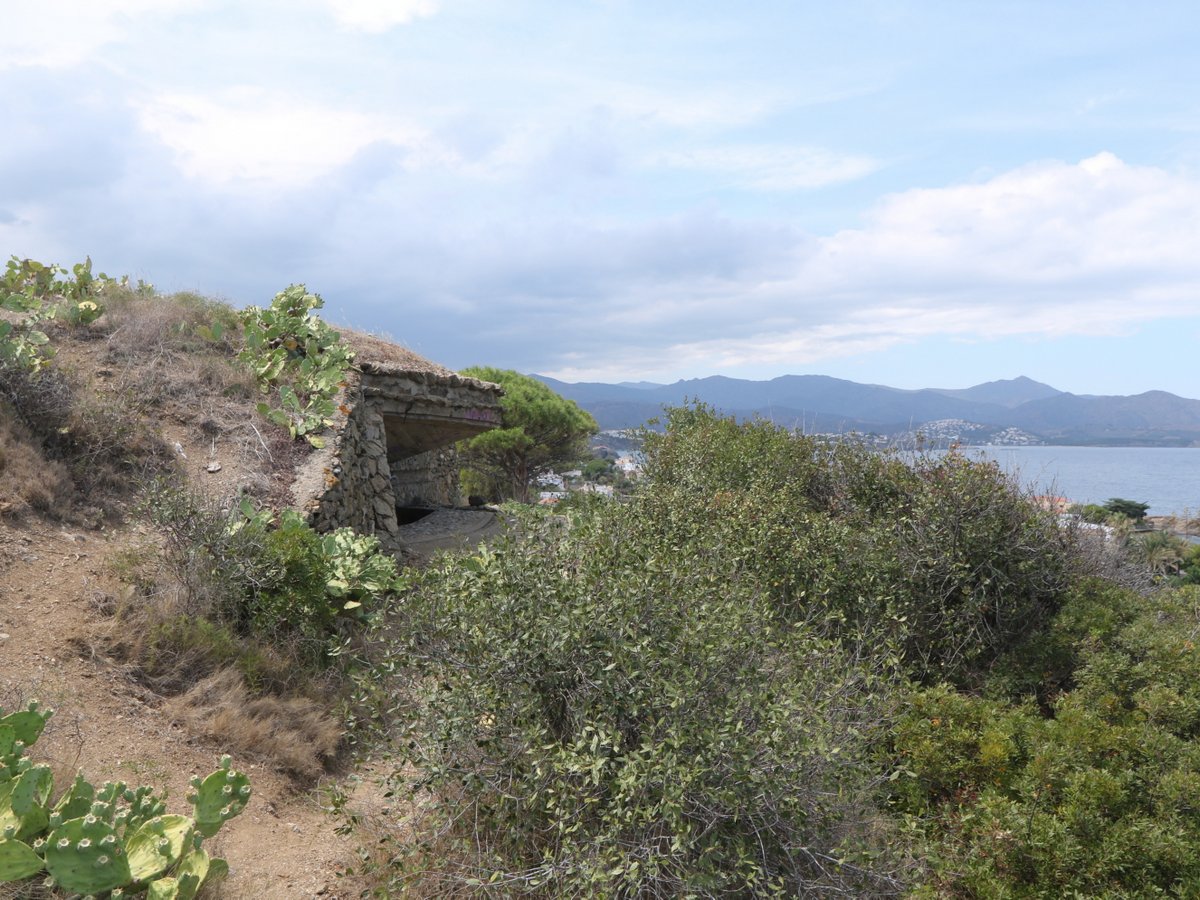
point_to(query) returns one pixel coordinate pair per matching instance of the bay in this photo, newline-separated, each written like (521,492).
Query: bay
(1168,478)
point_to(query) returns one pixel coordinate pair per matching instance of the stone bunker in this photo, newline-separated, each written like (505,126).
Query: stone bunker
(389,459)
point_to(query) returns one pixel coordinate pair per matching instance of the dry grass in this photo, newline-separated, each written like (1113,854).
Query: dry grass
(248,698)
(248,693)
(28,481)
(296,734)
(137,326)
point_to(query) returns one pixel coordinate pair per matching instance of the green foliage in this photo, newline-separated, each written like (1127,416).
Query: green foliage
(939,556)
(268,576)
(304,580)
(595,469)
(1189,566)
(1093,796)
(600,712)
(292,350)
(1130,508)
(539,429)
(692,693)
(35,290)
(355,570)
(115,838)
(1093,513)
(1162,552)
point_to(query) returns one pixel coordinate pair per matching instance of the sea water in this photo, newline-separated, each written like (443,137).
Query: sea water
(1168,478)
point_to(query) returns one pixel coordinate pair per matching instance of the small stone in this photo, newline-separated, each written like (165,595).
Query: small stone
(213,466)
(4,637)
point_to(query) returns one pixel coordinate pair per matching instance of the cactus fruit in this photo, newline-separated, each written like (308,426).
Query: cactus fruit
(84,855)
(17,861)
(157,845)
(219,797)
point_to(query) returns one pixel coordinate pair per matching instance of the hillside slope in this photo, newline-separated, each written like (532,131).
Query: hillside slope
(137,399)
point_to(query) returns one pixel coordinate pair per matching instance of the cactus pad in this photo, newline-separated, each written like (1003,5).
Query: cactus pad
(143,806)
(84,855)
(31,788)
(17,861)
(182,888)
(219,797)
(27,724)
(157,845)
(77,801)
(19,825)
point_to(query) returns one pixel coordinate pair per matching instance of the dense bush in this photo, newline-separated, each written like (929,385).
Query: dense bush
(940,555)
(596,712)
(269,576)
(682,694)
(1096,799)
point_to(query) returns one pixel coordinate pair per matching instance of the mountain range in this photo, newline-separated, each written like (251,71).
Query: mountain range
(1016,410)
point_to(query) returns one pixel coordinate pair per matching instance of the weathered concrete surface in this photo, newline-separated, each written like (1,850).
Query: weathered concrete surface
(450,529)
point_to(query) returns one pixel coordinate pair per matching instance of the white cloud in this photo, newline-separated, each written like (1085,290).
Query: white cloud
(270,137)
(1047,250)
(378,16)
(771,167)
(61,33)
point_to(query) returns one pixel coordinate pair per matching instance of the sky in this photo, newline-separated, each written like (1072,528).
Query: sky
(918,194)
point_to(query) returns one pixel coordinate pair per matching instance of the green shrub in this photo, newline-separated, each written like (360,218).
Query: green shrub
(1096,799)
(1044,664)
(596,711)
(941,556)
(970,566)
(272,577)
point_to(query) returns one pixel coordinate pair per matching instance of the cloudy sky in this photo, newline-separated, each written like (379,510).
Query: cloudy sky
(908,193)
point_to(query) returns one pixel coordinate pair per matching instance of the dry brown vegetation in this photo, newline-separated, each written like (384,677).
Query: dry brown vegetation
(151,393)
(102,587)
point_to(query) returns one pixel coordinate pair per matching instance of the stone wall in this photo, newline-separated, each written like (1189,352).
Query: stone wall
(427,479)
(357,479)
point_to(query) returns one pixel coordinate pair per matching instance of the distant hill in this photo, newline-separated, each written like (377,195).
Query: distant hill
(1008,392)
(995,410)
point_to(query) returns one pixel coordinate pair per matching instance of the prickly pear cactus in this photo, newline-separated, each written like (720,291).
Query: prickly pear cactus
(31,788)
(141,807)
(158,845)
(8,752)
(75,802)
(219,797)
(27,724)
(23,801)
(17,861)
(86,856)
(20,817)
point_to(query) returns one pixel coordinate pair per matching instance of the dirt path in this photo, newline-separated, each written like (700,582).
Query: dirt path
(51,583)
